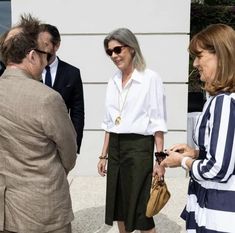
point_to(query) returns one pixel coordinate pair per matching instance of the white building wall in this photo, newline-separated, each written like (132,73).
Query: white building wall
(162,28)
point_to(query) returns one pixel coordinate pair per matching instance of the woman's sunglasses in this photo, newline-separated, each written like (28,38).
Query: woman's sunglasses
(117,50)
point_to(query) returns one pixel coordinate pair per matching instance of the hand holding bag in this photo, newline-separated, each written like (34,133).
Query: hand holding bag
(159,196)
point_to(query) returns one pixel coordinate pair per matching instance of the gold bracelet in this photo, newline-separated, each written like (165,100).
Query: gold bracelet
(103,157)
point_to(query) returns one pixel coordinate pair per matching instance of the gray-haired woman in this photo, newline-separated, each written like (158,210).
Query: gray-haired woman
(134,121)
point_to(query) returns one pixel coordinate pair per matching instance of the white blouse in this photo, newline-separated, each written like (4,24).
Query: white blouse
(138,108)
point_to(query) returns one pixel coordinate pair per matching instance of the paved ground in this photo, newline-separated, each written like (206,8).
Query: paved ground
(88,197)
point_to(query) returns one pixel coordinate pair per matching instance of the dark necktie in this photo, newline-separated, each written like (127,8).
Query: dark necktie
(48,77)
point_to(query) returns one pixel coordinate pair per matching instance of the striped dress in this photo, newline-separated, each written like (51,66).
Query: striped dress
(211,195)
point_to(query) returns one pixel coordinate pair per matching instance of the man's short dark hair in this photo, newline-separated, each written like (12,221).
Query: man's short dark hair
(53,31)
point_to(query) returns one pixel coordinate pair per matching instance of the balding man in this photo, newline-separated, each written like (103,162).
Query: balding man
(37,139)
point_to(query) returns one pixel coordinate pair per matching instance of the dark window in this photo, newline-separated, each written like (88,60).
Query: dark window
(5,15)
(5,22)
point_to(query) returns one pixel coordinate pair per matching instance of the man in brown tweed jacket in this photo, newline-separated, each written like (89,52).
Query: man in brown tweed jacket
(37,139)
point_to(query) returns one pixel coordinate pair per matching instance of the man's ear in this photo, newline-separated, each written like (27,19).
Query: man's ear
(32,56)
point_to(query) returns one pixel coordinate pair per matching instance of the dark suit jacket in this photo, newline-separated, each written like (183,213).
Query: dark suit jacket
(69,84)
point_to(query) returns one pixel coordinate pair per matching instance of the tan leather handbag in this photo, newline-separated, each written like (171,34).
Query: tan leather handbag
(159,196)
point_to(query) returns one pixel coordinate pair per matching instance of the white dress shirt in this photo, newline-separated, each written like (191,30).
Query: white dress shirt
(140,104)
(53,69)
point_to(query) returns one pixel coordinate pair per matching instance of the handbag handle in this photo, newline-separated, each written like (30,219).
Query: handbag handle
(157,181)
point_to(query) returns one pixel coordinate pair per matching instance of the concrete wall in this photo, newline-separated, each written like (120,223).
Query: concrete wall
(162,28)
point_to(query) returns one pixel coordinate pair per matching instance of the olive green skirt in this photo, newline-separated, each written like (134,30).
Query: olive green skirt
(129,177)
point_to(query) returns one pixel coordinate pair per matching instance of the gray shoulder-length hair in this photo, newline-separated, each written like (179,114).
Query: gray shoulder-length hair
(126,37)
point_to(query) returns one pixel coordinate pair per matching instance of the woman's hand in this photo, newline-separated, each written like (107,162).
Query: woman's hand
(173,160)
(184,150)
(158,170)
(102,167)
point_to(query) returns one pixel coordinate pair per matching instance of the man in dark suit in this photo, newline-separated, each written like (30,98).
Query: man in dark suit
(65,79)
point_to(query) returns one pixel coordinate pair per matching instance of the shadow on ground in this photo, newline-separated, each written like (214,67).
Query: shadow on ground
(91,220)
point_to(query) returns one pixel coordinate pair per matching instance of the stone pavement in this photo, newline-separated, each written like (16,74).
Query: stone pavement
(88,198)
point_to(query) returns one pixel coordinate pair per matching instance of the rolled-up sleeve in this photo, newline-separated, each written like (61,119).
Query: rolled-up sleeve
(158,106)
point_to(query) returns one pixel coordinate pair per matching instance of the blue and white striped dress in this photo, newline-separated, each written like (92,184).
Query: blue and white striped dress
(211,195)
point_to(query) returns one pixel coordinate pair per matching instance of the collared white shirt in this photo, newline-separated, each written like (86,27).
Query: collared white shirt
(53,69)
(143,111)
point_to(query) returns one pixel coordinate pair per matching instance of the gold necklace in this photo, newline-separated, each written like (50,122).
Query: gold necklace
(119,118)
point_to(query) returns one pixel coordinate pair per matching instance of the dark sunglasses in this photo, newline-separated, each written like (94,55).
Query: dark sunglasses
(117,50)
(43,52)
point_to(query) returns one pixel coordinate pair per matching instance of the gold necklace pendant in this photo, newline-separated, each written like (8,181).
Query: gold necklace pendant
(118,120)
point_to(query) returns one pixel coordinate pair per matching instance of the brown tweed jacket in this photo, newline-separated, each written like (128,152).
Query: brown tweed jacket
(37,150)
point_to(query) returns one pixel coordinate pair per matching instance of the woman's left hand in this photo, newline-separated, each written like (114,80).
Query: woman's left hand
(158,170)
(102,167)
